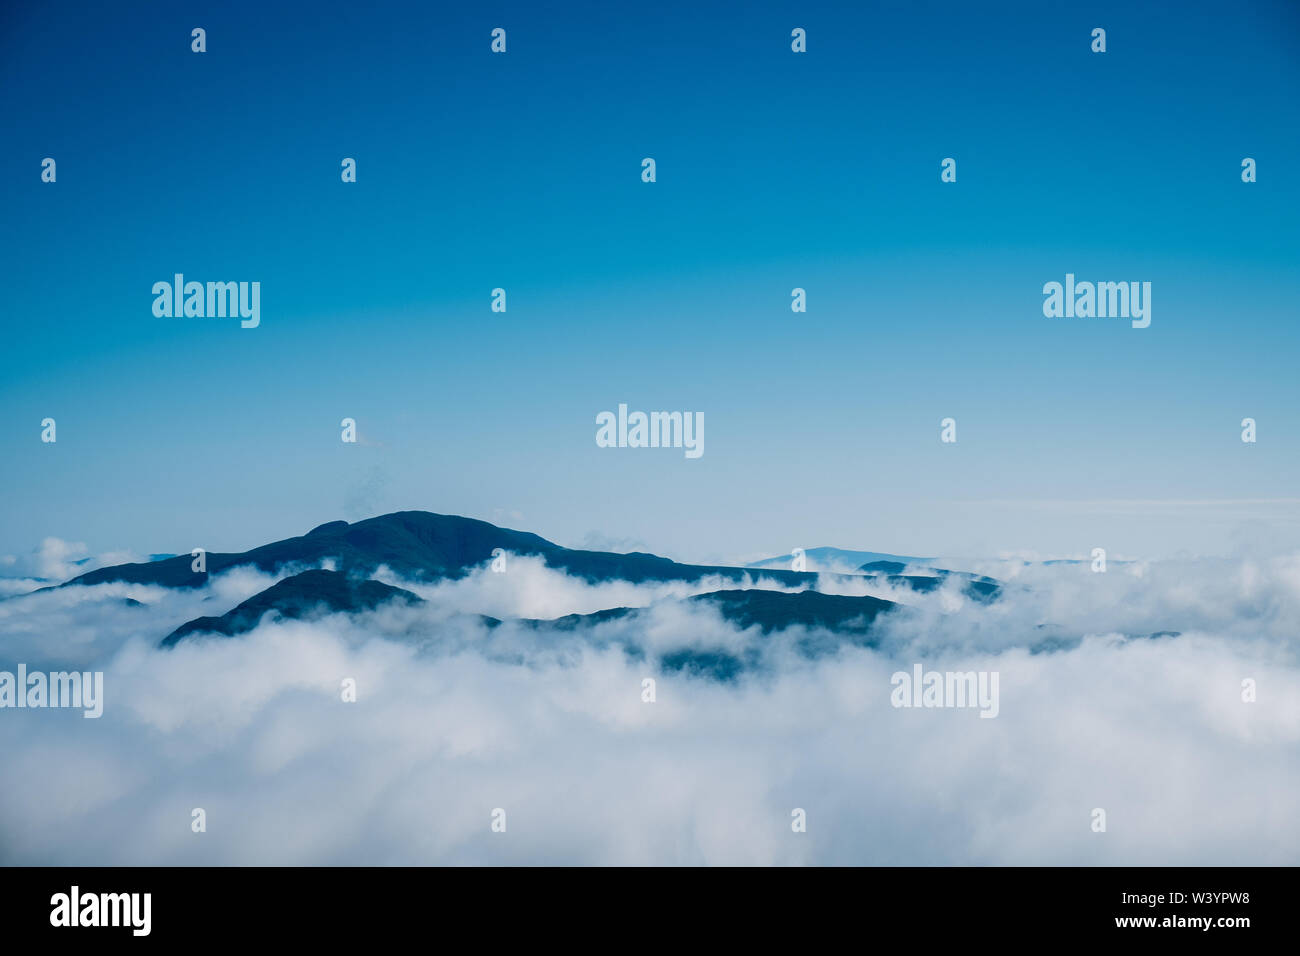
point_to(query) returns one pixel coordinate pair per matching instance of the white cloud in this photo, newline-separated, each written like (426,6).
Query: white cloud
(55,561)
(455,719)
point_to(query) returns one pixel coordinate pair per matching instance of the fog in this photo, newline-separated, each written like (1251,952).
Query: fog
(454,719)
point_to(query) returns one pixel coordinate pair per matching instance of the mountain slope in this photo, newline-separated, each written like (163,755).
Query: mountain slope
(768,610)
(318,592)
(832,621)
(422,546)
(418,545)
(777,610)
(414,544)
(296,597)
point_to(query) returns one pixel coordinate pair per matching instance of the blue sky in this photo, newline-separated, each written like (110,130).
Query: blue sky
(775,170)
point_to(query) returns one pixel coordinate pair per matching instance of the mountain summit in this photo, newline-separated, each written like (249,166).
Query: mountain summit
(422,546)
(413,544)
(331,569)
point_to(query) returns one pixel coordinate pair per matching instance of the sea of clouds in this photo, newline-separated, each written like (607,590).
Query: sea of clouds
(454,719)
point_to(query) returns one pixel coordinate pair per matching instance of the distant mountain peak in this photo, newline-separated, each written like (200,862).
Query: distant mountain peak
(422,546)
(329,527)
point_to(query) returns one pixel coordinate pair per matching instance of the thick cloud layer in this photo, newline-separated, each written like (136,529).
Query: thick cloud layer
(454,719)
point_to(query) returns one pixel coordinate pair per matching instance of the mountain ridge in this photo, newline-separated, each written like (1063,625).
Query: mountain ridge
(422,546)
(296,597)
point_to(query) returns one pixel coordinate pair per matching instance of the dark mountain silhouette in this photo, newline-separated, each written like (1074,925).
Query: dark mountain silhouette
(300,596)
(897,567)
(883,567)
(769,610)
(422,546)
(982,590)
(833,620)
(413,544)
(321,592)
(778,610)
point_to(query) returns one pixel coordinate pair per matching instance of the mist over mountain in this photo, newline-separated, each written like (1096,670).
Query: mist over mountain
(421,545)
(299,596)
(331,569)
(314,593)
(826,622)
(417,545)
(492,686)
(835,559)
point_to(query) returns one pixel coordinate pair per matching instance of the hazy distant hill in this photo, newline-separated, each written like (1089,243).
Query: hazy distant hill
(836,560)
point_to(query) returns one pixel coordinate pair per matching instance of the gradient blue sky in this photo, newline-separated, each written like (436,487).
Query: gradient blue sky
(775,170)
